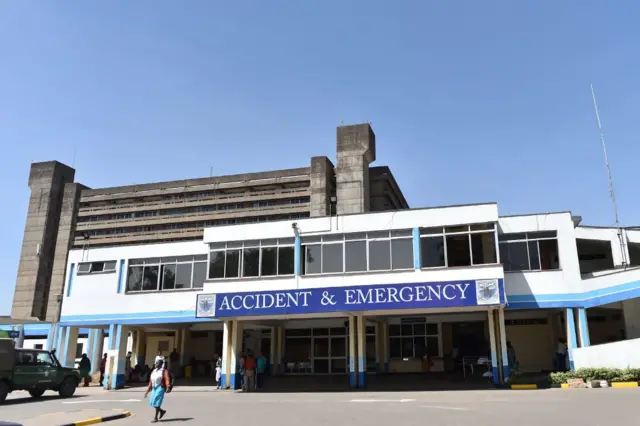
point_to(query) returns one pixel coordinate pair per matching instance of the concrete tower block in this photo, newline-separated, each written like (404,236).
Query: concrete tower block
(46,181)
(356,149)
(322,186)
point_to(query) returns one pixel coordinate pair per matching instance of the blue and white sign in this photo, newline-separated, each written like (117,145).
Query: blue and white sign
(451,294)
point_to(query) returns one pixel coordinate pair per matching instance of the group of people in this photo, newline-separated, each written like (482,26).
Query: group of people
(252,370)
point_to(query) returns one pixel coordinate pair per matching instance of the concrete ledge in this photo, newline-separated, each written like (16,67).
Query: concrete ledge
(99,419)
(624,385)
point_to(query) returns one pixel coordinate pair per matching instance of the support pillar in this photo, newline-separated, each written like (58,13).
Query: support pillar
(69,349)
(237,334)
(184,346)
(494,348)
(571,335)
(385,347)
(119,356)
(583,328)
(378,328)
(140,348)
(280,356)
(362,350)
(96,350)
(109,367)
(225,377)
(502,333)
(274,351)
(51,337)
(353,379)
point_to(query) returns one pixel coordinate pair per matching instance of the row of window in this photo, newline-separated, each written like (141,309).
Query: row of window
(198,209)
(191,225)
(171,273)
(530,251)
(261,258)
(97,267)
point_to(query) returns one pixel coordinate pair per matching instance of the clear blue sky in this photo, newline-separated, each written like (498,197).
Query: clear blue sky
(470,101)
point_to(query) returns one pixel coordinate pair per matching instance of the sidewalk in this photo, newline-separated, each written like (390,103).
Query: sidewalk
(59,419)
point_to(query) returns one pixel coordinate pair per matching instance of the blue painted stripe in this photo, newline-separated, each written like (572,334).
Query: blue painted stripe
(121,276)
(495,377)
(417,264)
(584,328)
(297,256)
(586,299)
(362,379)
(223,381)
(70,281)
(352,379)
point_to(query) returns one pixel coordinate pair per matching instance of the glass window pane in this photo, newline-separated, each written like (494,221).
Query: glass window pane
(432,329)
(419,346)
(379,255)
(338,346)
(514,256)
(378,235)
(483,248)
(402,233)
(407,347)
(216,264)
(312,257)
(395,347)
(534,259)
(134,278)
(320,332)
(541,234)
(183,274)
(355,256)
(419,329)
(285,260)
(286,241)
(433,346)
(251,262)
(394,330)
(432,252)
(199,274)
(269,261)
(332,238)
(402,254)
(482,226)
(232,264)
(168,277)
(458,250)
(458,228)
(321,346)
(549,257)
(356,236)
(150,278)
(511,237)
(431,231)
(407,329)
(332,258)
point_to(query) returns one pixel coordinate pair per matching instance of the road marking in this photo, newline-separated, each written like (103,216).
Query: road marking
(106,400)
(440,407)
(382,400)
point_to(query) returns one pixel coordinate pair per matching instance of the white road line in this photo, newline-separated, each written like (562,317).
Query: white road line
(382,400)
(104,400)
(440,407)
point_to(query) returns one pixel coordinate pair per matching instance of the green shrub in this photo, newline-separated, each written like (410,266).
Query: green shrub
(587,374)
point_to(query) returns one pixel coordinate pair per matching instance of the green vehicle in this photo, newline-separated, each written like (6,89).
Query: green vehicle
(35,371)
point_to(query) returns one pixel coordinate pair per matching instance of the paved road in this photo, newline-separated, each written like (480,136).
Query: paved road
(587,407)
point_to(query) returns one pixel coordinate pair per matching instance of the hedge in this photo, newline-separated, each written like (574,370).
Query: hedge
(587,374)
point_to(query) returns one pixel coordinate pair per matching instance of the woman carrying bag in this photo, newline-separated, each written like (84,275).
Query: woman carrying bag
(159,384)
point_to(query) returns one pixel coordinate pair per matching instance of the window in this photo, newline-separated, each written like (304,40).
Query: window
(413,338)
(531,251)
(38,346)
(97,267)
(358,252)
(43,358)
(78,350)
(168,273)
(461,245)
(634,253)
(260,258)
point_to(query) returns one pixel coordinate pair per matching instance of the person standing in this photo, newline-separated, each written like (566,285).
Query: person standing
(249,372)
(103,366)
(261,362)
(561,355)
(85,369)
(159,384)
(219,372)
(174,360)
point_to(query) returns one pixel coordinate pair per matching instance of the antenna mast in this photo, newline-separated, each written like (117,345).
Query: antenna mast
(612,193)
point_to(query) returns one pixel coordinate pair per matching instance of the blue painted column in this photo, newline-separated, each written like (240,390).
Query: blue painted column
(417,264)
(59,343)
(353,378)
(494,348)
(51,337)
(583,328)
(69,349)
(96,350)
(109,367)
(502,333)
(362,350)
(572,342)
(297,256)
(237,334)
(117,377)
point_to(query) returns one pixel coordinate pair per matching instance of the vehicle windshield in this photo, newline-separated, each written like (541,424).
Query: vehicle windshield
(54,360)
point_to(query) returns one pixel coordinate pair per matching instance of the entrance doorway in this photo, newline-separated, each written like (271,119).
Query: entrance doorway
(316,350)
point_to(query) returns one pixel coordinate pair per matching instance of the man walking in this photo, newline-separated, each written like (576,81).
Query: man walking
(249,372)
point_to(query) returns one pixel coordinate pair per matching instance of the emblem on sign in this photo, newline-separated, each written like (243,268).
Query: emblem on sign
(487,292)
(206,306)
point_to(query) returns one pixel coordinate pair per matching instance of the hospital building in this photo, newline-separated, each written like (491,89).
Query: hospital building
(325,269)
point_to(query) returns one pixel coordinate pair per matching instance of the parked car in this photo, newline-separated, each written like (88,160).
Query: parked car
(35,371)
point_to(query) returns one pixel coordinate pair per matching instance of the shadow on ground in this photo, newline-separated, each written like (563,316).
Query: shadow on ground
(28,399)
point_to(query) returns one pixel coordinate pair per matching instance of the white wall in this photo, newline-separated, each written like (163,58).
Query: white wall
(624,354)
(404,219)
(94,294)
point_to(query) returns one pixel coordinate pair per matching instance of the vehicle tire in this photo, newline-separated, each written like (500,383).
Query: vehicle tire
(68,387)
(4,391)
(36,393)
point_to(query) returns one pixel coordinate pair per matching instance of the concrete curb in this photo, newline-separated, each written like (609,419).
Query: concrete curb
(99,419)
(624,385)
(524,387)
